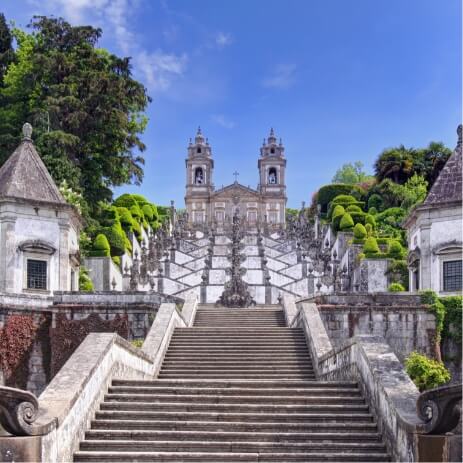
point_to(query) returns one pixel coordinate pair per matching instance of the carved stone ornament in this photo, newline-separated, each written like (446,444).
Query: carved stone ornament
(439,408)
(18,412)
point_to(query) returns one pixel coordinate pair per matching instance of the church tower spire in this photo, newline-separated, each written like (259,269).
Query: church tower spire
(272,173)
(199,169)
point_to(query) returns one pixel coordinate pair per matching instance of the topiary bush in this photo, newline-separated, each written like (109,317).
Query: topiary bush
(372,211)
(338,212)
(100,246)
(109,216)
(116,239)
(426,373)
(371,220)
(354,208)
(395,250)
(327,193)
(126,219)
(148,212)
(395,288)
(346,223)
(369,229)
(360,232)
(371,246)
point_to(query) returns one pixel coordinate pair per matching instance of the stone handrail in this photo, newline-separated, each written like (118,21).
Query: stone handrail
(367,359)
(439,409)
(64,409)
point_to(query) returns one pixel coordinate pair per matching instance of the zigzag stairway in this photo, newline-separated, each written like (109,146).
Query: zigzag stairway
(237,386)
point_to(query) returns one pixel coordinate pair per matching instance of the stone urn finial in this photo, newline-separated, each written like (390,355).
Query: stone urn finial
(27,131)
(459,133)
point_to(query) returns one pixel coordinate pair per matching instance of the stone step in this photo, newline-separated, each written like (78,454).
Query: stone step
(302,418)
(249,364)
(239,399)
(274,350)
(236,367)
(237,375)
(238,336)
(200,457)
(234,408)
(235,437)
(224,446)
(188,383)
(237,391)
(187,357)
(234,426)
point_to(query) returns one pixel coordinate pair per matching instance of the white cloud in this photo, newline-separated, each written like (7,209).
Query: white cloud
(159,68)
(222,39)
(221,120)
(282,77)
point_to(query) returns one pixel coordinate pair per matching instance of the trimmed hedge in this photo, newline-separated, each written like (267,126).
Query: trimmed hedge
(360,232)
(395,250)
(85,282)
(375,201)
(327,193)
(100,247)
(354,208)
(346,223)
(371,246)
(116,239)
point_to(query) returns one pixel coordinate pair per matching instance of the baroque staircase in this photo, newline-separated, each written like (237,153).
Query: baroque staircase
(237,386)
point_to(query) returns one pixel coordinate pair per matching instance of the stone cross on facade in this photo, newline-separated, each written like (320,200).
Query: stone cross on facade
(236,175)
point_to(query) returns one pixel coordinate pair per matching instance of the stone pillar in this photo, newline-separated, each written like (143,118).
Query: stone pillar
(425,261)
(7,253)
(62,262)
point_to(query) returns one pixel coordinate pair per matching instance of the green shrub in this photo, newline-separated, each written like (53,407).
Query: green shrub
(346,223)
(125,218)
(137,343)
(436,307)
(395,288)
(116,260)
(344,200)
(327,193)
(371,220)
(425,372)
(353,208)
(398,272)
(360,232)
(369,229)
(395,250)
(126,200)
(370,246)
(136,212)
(372,211)
(453,317)
(337,214)
(85,282)
(383,240)
(375,201)
(116,239)
(100,246)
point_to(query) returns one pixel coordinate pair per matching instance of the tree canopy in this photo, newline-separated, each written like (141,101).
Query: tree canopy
(351,174)
(86,109)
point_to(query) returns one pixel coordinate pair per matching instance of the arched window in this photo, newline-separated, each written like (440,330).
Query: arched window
(199,176)
(272,176)
(272,150)
(198,150)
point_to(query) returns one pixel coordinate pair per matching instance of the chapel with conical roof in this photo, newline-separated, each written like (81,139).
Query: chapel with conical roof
(39,230)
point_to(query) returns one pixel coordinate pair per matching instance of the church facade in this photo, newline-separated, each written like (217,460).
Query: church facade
(265,204)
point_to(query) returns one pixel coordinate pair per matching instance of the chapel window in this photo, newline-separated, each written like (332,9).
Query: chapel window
(272,176)
(272,150)
(452,273)
(198,150)
(199,176)
(36,274)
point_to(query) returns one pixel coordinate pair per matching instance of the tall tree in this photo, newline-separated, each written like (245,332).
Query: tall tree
(433,159)
(85,106)
(6,47)
(351,173)
(395,164)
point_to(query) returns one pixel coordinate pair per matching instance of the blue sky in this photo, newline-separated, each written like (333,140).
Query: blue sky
(338,80)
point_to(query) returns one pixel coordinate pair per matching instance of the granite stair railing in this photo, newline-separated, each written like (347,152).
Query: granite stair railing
(49,428)
(405,418)
(238,385)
